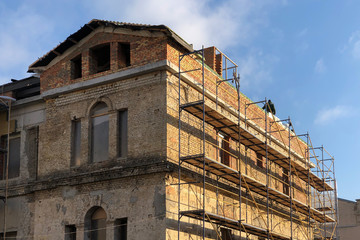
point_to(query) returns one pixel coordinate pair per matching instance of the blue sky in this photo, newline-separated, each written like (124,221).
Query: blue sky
(304,55)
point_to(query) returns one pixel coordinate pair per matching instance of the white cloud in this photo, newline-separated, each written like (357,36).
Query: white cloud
(227,24)
(328,115)
(303,32)
(353,45)
(28,30)
(320,66)
(255,71)
(202,22)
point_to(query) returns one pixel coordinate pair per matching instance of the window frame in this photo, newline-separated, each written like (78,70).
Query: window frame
(122,133)
(76,67)
(96,53)
(106,138)
(75,142)
(4,142)
(121,228)
(70,232)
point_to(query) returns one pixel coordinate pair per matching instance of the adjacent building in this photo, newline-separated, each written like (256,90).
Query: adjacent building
(349,219)
(126,132)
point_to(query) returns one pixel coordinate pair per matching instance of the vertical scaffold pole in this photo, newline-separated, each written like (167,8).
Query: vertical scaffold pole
(179,148)
(307,155)
(291,186)
(204,135)
(237,82)
(267,169)
(324,189)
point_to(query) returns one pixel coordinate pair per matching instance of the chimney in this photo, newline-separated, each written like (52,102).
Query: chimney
(213,60)
(209,54)
(219,64)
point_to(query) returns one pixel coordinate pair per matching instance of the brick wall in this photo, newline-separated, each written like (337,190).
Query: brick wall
(143,50)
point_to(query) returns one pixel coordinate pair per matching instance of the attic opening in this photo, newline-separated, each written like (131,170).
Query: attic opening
(100,58)
(76,69)
(124,55)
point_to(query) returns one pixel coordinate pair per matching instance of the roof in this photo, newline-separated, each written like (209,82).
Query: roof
(23,88)
(346,200)
(19,84)
(94,24)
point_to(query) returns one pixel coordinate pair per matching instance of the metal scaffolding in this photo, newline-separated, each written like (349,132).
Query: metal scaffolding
(5,102)
(298,187)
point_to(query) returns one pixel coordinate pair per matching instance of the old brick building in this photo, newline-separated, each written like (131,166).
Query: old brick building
(126,132)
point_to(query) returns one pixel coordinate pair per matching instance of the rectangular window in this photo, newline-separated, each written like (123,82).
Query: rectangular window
(76,69)
(124,55)
(123,133)
(100,58)
(70,232)
(120,229)
(75,142)
(31,150)
(224,149)
(225,234)
(285,179)
(9,235)
(259,160)
(3,152)
(14,157)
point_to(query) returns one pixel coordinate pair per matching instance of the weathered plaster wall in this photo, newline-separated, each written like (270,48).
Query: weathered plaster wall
(141,199)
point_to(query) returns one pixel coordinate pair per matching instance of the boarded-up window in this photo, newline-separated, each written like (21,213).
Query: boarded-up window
(31,150)
(123,133)
(75,142)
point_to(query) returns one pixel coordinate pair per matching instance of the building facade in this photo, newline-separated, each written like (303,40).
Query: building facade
(126,132)
(349,219)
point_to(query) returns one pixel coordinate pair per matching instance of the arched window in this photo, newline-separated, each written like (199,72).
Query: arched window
(95,224)
(99,132)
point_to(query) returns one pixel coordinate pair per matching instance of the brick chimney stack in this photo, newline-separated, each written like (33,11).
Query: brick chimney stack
(213,60)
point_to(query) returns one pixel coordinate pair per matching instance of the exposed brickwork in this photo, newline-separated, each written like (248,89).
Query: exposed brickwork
(142,185)
(143,50)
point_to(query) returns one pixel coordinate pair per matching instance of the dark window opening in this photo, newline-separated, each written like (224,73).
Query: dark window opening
(260,160)
(224,151)
(124,55)
(76,69)
(99,132)
(285,179)
(75,142)
(225,234)
(100,59)
(14,157)
(123,133)
(70,232)
(120,229)
(8,235)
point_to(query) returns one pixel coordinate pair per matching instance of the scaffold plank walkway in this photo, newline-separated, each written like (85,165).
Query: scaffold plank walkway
(252,184)
(220,121)
(233,224)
